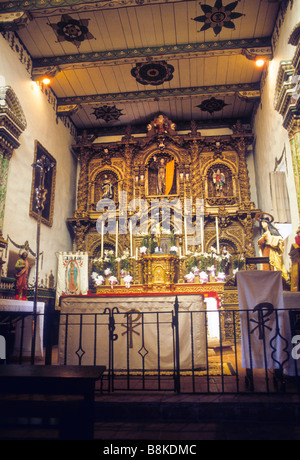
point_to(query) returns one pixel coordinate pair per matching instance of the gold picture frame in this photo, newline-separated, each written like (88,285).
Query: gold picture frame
(50,178)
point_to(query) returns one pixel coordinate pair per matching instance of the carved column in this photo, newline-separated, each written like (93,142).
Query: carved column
(82,194)
(128,182)
(243,175)
(12,125)
(4,163)
(195,171)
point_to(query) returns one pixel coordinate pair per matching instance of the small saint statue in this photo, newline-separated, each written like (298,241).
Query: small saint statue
(107,189)
(295,263)
(22,271)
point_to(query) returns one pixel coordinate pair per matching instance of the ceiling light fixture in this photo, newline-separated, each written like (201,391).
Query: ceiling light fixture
(260,62)
(46,81)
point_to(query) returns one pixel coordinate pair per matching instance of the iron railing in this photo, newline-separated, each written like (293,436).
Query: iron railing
(252,351)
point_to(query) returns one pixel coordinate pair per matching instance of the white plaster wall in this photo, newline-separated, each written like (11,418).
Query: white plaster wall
(57,140)
(270,136)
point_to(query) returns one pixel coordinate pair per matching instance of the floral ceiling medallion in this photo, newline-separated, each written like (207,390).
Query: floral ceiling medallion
(212,105)
(72,30)
(107,113)
(218,16)
(153,73)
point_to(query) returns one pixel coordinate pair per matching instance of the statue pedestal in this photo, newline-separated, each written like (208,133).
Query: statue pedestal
(160,271)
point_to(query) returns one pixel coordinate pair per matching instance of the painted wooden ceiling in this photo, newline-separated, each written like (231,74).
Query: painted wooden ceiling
(116,63)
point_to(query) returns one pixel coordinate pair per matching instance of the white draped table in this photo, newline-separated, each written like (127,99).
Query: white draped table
(266,335)
(144,338)
(25,308)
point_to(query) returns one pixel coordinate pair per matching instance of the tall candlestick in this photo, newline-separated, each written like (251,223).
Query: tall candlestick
(217,236)
(117,237)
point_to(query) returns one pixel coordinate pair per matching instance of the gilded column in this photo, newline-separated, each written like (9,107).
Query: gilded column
(128,182)
(195,171)
(82,193)
(4,163)
(243,175)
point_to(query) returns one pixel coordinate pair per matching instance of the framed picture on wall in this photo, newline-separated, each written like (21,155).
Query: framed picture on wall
(49,185)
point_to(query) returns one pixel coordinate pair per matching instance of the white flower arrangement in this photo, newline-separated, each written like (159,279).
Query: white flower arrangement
(112,281)
(143,250)
(174,249)
(190,277)
(127,280)
(98,279)
(107,271)
(203,277)
(196,271)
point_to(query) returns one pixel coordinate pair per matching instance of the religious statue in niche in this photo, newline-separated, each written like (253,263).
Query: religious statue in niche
(107,188)
(161,176)
(160,125)
(219,182)
(271,244)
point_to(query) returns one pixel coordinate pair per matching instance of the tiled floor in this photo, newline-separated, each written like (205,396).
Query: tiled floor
(167,416)
(196,431)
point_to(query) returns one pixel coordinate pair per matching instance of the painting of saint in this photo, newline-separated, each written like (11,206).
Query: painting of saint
(73,278)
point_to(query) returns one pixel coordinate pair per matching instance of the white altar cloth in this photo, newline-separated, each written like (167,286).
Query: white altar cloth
(140,331)
(25,306)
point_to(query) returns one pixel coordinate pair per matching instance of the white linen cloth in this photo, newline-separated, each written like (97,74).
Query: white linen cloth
(26,306)
(148,338)
(257,287)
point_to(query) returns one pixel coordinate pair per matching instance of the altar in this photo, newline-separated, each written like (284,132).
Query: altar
(133,331)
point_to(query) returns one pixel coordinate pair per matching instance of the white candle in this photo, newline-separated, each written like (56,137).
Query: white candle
(185,234)
(130,232)
(202,234)
(217,236)
(117,237)
(102,239)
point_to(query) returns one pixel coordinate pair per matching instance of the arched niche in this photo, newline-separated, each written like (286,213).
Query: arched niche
(220,181)
(104,183)
(159,165)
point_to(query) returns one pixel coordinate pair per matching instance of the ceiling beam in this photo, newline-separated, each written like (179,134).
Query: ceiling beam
(259,46)
(36,6)
(243,89)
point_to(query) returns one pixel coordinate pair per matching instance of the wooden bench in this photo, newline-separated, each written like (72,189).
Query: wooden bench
(76,415)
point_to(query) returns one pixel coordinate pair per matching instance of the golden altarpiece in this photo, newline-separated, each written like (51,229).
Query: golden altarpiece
(166,165)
